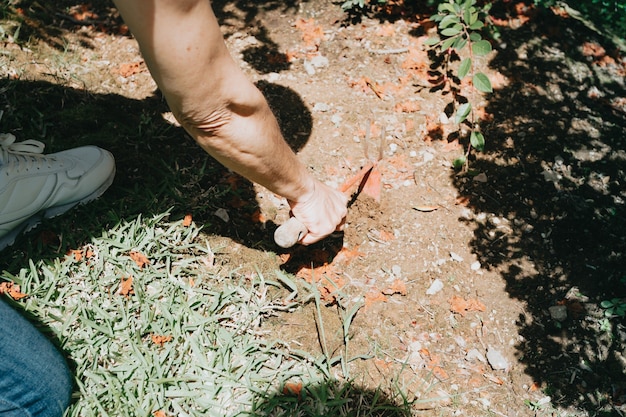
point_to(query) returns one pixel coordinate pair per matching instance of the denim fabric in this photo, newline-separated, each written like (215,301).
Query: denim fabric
(34,377)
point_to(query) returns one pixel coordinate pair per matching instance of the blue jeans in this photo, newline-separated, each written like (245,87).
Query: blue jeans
(34,377)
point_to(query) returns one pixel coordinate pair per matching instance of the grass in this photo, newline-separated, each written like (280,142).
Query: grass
(180,340)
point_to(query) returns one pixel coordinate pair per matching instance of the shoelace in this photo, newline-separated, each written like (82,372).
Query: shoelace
(15,155)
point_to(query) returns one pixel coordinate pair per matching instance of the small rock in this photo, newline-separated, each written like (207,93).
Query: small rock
(482,177)
(222,214)
(396,270)
(319,61)
(309,68)
(558,313)
(456,257)
(435,287)
(474,354)
(496,359)
(321,107)
(460,341)
(475,266)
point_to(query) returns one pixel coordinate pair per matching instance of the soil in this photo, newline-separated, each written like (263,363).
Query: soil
(525,244)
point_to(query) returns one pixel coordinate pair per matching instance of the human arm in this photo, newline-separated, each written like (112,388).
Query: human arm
(222,109)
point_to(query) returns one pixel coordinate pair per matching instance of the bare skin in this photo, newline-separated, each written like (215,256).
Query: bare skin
(222,109)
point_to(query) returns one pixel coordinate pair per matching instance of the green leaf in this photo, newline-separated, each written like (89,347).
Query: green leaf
(463,112)
(431,41)
(446,7)
(476,25)
(482,83)
(467,15)
(449,20)
(475,37)
(465,66)
(448,43)
(481,48)
(477,140)
(453,31)
(606,304)
(459,43)
(459,162)
(473,17)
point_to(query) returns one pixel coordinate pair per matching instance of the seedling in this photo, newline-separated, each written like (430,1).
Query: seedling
(459,23)
(614,307)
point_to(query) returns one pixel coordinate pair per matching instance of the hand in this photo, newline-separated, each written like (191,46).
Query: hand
(322,212)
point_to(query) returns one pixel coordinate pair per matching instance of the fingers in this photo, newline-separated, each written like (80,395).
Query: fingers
(322,214)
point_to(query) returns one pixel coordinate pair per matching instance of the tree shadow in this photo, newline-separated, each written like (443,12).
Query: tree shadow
(327,398)
(553,207)
(159,167)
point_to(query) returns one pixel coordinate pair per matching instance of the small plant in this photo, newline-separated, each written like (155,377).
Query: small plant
(459,24)
(614,307)
(605,325)
(351,4)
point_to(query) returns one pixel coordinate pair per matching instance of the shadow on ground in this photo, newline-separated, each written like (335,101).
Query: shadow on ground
(159,167)
(327,398)
(554,201)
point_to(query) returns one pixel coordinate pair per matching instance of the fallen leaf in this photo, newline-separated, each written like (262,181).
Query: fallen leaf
(258,217)
(284,258)
(312,34)
(160,339)
(12,290)
(593,49)
(397,287)
(374,296)
(346,255)
(77,254)
(461,306)
(356,178)
(292,388)
(407,107)
(187,220)
(159,413)
(494,379)
(382,364)
(440,373)
(82,13)
(126,286)
(139,258)
(373,184)
(130,68)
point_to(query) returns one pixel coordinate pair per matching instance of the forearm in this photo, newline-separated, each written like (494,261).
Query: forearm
(214,101)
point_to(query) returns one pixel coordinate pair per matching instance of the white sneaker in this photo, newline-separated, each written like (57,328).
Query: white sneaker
(34,186)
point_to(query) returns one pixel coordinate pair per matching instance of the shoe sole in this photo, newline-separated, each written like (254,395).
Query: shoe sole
(51,212)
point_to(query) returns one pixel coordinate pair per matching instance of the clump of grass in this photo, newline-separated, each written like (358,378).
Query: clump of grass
(148,328)
(178,340)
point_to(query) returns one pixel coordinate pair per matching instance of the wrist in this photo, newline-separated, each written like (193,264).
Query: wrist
(305,193)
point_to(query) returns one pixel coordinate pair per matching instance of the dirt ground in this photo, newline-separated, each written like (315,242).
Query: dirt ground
(481,290)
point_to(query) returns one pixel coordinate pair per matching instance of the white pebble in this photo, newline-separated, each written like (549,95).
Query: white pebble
(496,359)
(435,287)
(456,257)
